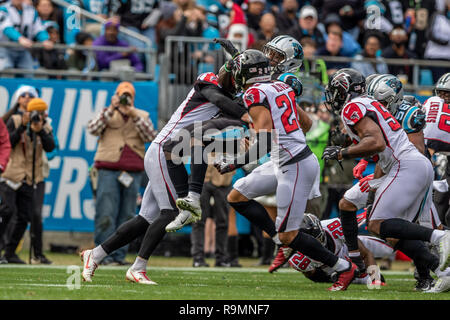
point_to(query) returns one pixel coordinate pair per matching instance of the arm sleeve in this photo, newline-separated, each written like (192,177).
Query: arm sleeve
(48,143)
(255,97)
(12,33)
(145,129)
(215,95)
(14,134)
(5,146)
(98,124)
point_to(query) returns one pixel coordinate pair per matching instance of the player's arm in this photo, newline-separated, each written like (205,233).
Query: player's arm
(417,139)
(366,254)
(304,120)
(227,105)
(371,140)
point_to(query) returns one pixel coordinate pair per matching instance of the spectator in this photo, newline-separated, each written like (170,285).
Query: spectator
(23,172)
(95,7)
(438,45)
(238,30)
(371,50)
(17,17)
(286,19)
(48,12)
(54,58)
(398,50)
(268,28)
(5,151)
(311,66)
(307,26)
(82,60)
(110,38)
(216,187)
(123,131)
(135,15)
(351,12)
(254,13)
(332,48)
(350,47)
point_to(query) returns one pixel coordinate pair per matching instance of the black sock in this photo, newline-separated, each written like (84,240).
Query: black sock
(419,253)
(402,229)
(156,232)
(126,233)
(233,248)
(311,247)
(179,176)
(268,248)
(350,228)
(198,169)
(256,214)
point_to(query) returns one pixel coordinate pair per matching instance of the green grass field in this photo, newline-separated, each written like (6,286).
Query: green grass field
(178,281)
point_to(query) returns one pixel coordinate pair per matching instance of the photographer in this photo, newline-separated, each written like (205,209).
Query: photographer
(30,135)
(123,131)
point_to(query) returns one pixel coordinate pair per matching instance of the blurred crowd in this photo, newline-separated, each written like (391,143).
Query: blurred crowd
(376,29)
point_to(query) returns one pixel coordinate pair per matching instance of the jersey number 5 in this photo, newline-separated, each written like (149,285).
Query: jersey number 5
(444,120)
(390,120)
(290,105)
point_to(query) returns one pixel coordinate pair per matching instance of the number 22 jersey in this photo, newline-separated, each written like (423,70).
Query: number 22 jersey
(397,142)
(279,98)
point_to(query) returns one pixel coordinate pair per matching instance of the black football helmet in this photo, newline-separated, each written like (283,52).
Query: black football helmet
(251,66)
(312,226)
(344,85)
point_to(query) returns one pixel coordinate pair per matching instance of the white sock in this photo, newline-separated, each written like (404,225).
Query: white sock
(276,239)
(436,236)
(341,265)
(194,195)
(98,254)
(139,264)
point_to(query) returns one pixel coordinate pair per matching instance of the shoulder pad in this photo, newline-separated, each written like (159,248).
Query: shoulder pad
(253,96)
(208,78)
(353,112)
(292,81)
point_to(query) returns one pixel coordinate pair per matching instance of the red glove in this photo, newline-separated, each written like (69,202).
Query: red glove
(364,183)
(359,169)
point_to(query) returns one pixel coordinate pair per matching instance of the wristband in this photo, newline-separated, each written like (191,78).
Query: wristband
(345,154)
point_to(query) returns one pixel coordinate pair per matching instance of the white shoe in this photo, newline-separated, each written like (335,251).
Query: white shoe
(138,277)
(89,265)
(183,218)
(444,251)
(191,205)
(442,285)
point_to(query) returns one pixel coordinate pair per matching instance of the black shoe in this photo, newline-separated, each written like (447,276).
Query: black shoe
(41,260)
(3,260)
(424,284)
(14,259)
(223,264)
(123,263)
(198,263)
(235,264)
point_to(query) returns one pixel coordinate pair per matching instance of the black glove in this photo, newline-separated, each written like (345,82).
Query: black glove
(228,46)
(224,167)
(331,153)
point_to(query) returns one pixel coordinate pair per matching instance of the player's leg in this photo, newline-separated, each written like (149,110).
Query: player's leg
(260,181)
(394,219)
(353,200)
(295,182)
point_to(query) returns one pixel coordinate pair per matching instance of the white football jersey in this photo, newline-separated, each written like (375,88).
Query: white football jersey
(437,130)
(288,140)
(27,22)
(397,142)
(194,108)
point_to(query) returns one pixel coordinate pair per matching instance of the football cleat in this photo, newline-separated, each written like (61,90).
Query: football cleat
(441,285)
(183,218)
(444,251)
(138,277)
(283,255)
(89,265)
(191,205)
(344,278)
(424,284)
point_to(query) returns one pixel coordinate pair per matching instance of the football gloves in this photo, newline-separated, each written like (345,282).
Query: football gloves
(359,169)
(331,153)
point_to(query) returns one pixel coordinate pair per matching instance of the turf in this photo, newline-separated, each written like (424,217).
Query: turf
(186,283)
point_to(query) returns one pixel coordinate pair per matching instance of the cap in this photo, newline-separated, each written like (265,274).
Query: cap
(308,11)
(125,87)
(332,18)
(26,89)
(111,23)
(37,104)
(252,1)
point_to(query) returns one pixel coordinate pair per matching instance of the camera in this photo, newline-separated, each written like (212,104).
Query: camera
(125,99)
(35,116)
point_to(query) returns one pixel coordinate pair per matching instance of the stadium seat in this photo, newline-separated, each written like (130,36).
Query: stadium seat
(426,77)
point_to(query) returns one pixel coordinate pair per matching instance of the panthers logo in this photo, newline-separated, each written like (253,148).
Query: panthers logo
(394,84)
(298,50)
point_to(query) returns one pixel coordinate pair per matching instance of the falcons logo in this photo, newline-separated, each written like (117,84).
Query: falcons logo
(341,80)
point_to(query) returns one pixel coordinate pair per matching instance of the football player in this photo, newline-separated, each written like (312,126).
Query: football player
(158,204)
(295,168)
(401,169)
